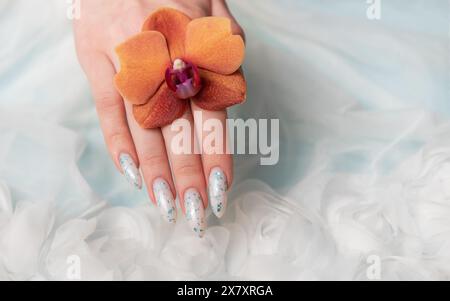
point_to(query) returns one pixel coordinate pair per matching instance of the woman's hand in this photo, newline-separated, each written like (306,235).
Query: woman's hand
(102,26)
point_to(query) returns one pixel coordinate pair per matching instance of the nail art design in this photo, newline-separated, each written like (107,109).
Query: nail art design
(130,170)
(217,191)
(195,213)
(165,200)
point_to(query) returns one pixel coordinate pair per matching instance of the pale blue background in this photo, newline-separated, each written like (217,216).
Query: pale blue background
(296,52)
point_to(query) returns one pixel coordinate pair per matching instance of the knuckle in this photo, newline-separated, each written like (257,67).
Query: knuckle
(115,138)
(105,101)
(188,169)
(152,159)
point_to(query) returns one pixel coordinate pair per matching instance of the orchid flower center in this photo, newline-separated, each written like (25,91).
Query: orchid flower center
(183,78)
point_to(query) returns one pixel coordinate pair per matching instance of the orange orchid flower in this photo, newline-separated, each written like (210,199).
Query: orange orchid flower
(175,59)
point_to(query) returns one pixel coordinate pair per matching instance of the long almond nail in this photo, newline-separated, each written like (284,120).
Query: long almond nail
(165,200)
(130,170)
(217,191)
(195,212)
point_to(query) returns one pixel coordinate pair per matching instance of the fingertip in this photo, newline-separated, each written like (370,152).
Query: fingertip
(220,9)
(130,170)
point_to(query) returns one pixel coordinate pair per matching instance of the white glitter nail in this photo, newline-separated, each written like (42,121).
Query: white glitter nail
(195,212)
(130,170)
(165,200)
(217,191)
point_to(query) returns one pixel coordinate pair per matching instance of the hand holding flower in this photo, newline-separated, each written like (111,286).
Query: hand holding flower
(161,66)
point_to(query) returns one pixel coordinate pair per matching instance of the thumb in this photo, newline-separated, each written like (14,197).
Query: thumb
(220,9)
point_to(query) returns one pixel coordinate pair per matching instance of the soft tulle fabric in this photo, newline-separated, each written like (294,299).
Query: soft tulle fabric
(364,165)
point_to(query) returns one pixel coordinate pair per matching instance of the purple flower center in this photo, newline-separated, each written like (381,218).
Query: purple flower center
(184,79)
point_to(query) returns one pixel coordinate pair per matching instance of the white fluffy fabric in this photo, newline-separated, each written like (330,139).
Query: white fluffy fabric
(364,168)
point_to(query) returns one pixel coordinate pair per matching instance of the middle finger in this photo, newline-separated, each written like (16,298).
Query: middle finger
(187,170)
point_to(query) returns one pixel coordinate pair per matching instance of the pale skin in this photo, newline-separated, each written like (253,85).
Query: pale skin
(103,25)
